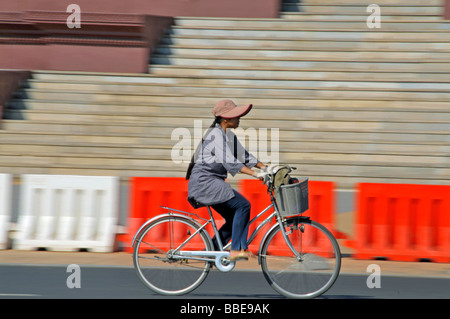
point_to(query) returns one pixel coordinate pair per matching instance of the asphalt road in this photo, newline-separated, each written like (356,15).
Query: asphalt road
(100,282)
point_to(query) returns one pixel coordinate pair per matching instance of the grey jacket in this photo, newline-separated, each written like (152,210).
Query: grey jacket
(221,153)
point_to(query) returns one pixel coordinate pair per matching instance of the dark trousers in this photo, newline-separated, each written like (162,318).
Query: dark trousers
(236,213)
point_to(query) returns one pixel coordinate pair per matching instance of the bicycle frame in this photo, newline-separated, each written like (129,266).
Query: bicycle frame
(214,256)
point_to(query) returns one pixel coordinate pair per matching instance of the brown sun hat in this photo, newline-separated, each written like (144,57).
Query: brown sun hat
(228,109)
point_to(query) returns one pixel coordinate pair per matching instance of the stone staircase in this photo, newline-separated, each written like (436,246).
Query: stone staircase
(351,104)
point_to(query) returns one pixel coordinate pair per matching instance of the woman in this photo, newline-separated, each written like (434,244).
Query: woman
(218,154)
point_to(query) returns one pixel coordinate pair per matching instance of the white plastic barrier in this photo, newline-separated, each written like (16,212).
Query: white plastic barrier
(68,213)
(5,208)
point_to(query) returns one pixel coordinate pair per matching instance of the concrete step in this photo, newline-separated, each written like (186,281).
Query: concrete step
(436,82)
(339,8)
(324,80)
(72,133)
(87,150)
(348,10)
(307,23)
(364,2)
(95,118)
(121,82)
(116,131)
(165,161)
(294,122)
(360,14)
(346,91)
(305,55)
(72,138)
(305,111)
(329,16)
(382,75)
(166,80)
(410,44)
(155,148)
(188,109)
(85,162)
(328,35)
(301,65)
(238,83)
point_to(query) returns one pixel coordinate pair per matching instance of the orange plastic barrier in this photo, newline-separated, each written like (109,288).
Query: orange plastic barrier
(402,222)
(147,194)
(321,209)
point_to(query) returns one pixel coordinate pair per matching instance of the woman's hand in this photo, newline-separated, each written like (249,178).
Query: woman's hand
(261,166)
(263,176)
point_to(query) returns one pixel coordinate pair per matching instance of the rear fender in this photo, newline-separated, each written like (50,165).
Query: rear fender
(148,222)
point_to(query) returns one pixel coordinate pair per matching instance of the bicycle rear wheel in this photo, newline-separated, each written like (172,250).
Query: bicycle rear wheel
(307,269)
(156,263)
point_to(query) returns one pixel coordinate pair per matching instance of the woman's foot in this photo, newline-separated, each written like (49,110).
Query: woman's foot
(240,255)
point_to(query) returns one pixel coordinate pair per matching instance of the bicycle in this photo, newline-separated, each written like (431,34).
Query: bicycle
(299,257)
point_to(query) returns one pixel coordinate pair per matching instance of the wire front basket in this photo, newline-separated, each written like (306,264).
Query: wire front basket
(292,199)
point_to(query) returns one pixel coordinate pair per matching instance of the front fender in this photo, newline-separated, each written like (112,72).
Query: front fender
(288,221)
(161,216)
(264,240)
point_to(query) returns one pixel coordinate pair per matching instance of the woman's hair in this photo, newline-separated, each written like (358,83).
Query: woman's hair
(217,120)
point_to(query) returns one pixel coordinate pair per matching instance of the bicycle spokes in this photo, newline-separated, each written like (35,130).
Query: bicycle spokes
(303,266)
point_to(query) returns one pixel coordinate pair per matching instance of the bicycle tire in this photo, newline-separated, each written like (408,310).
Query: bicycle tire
(151,256)
(312,270)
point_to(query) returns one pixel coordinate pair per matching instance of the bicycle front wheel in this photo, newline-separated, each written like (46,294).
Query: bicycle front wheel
(159,267)
(306,267)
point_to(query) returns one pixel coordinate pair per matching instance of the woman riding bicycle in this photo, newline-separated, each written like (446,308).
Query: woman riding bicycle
(221,153)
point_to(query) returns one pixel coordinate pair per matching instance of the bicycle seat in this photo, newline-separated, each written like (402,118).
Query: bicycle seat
(195,203)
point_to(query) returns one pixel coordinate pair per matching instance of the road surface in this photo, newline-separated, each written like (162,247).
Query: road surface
(112,282)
